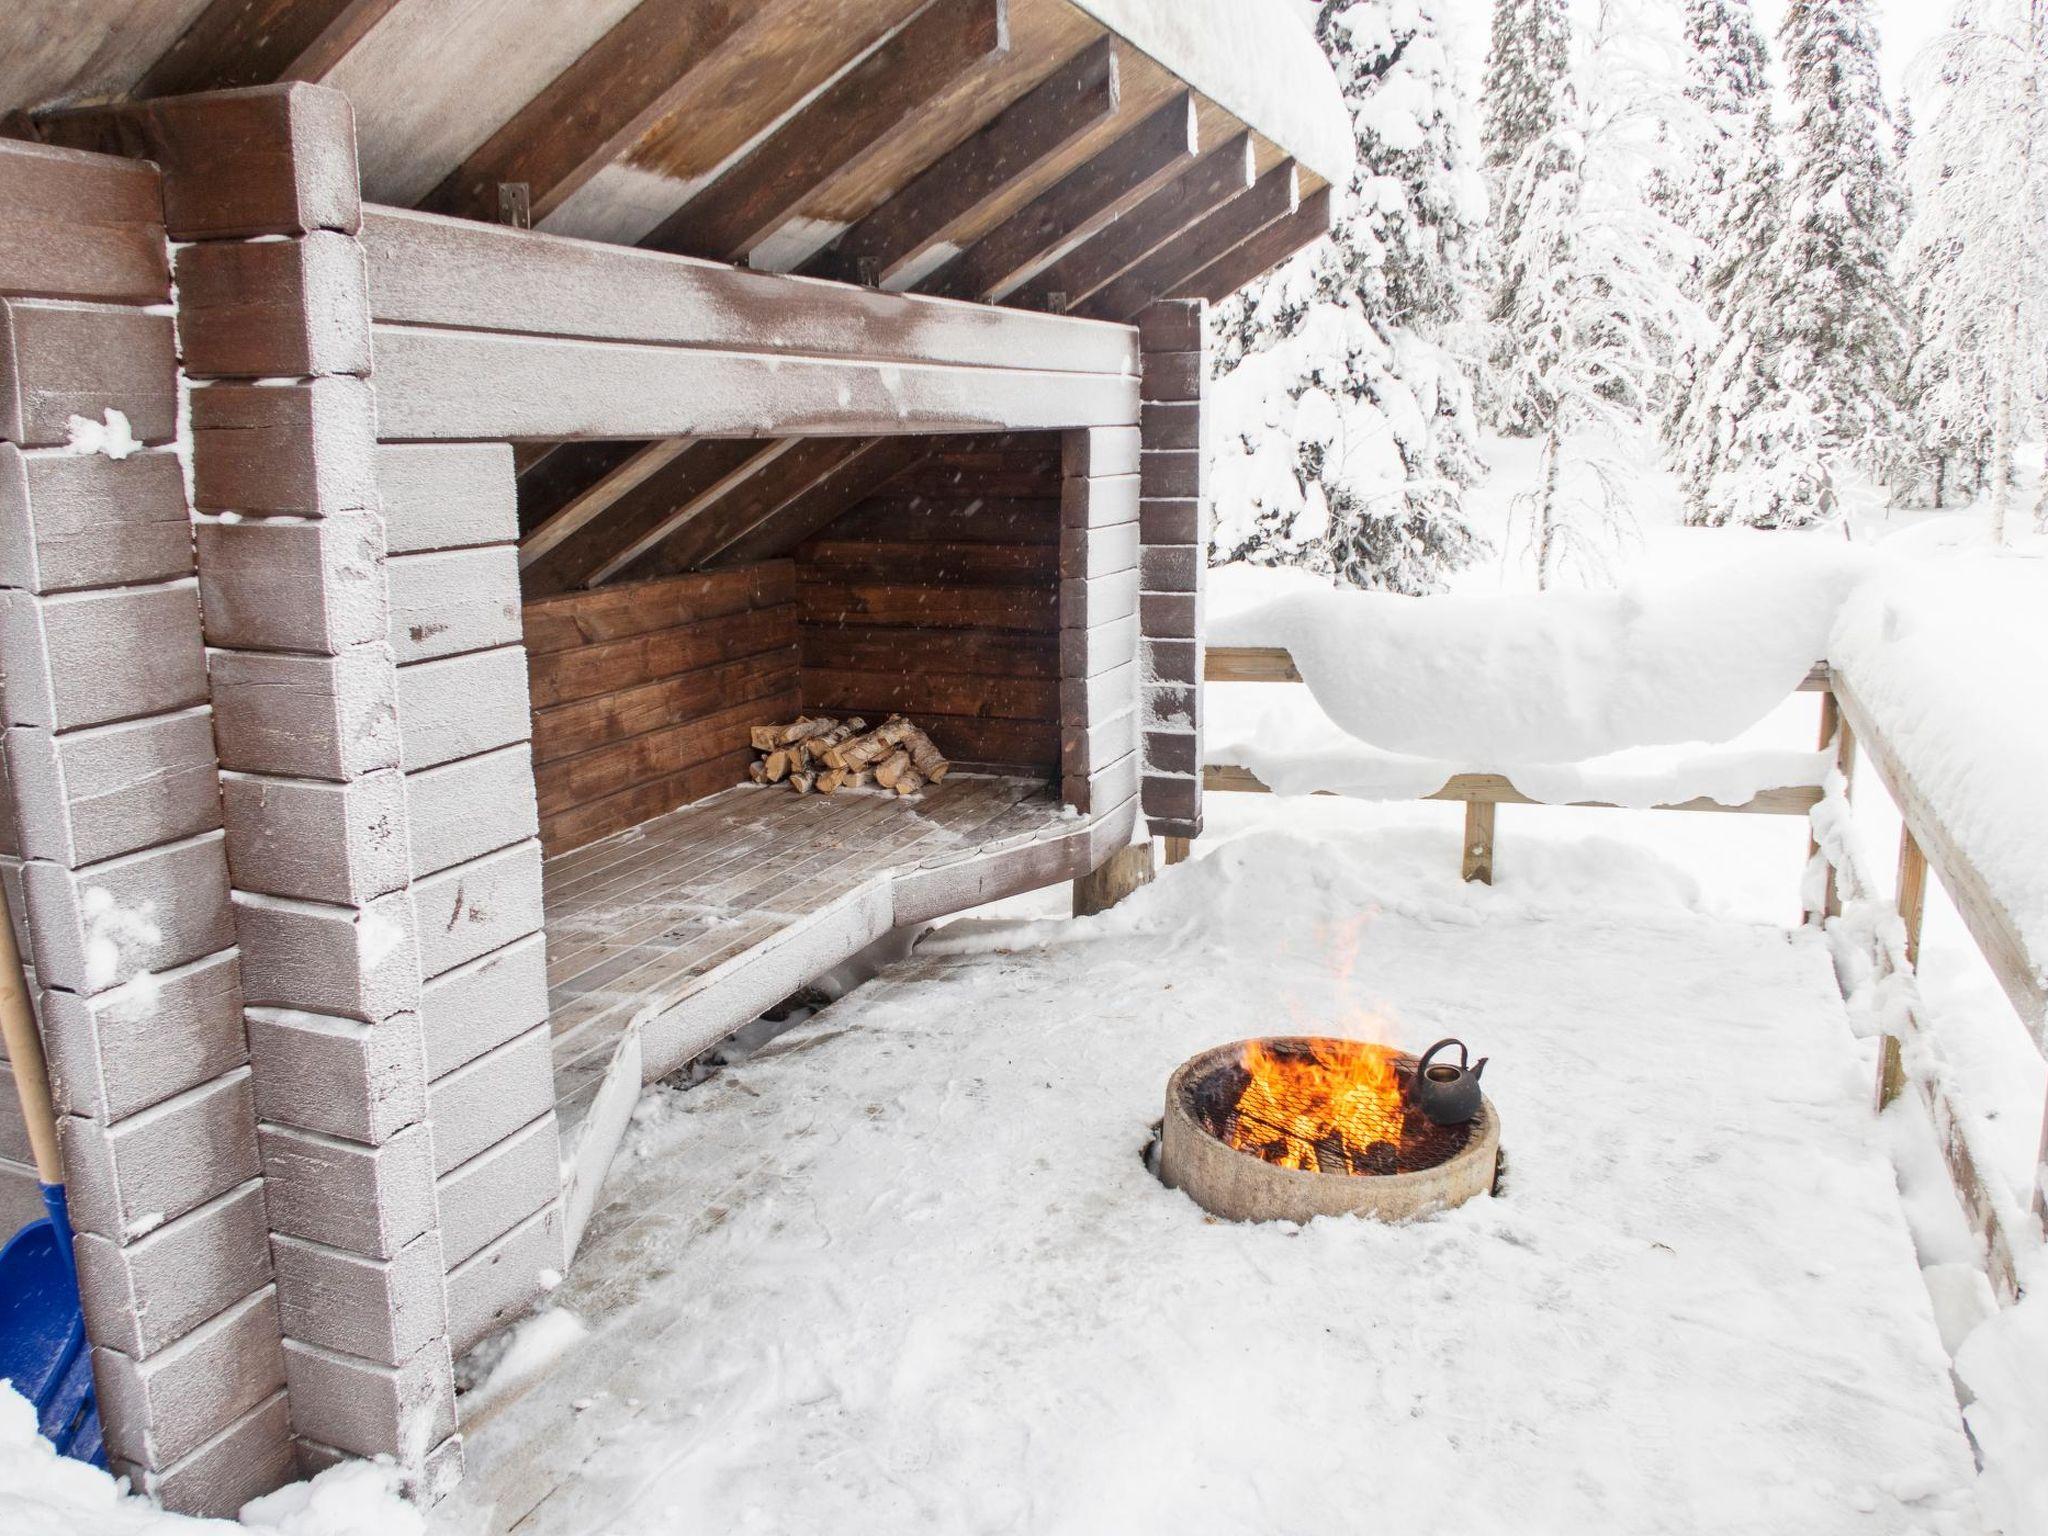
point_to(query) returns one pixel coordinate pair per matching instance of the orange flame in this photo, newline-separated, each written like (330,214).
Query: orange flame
(1323,1106)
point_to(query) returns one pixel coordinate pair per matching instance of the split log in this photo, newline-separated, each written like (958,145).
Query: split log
(926,757)
(894,767)
(776,768)
(830,779)
(910,783)
(803,782)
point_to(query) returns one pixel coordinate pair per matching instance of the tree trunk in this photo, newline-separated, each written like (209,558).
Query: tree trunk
(2001,424)
(1548,551)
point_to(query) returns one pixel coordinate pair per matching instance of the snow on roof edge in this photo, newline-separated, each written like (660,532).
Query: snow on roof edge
(1254,59)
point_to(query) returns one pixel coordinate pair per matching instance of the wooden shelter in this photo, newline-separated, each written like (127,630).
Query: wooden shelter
(432,433)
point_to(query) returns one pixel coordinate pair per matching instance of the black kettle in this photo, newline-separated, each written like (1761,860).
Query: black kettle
(1448,1095)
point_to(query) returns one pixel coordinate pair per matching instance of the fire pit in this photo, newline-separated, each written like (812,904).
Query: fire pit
(1291,1127)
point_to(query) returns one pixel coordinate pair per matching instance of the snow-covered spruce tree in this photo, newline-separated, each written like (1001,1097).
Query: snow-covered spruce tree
(1527,68)
(1844,331)
(1975,257)
(1345,430)
(1725,86)
(1749,440)
(1592,314)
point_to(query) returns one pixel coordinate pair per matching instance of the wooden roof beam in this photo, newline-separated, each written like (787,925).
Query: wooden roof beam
(596,109)
(1276,196)
(260,42)
(746,504)
(1194,195)
(754,197)
(854,477)
(1076,98)
(574,561)
(594,499)
(696,508)
(1161,146)
(1263,252)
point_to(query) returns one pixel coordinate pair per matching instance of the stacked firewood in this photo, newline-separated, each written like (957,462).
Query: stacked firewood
(823,754)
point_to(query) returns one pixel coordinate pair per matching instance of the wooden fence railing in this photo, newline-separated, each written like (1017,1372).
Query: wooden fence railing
(1481,792)
(2004,1229)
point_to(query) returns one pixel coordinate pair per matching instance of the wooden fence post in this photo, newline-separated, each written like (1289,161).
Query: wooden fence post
(1179,850)
(1478,853)
(1912,906)
(1835,732)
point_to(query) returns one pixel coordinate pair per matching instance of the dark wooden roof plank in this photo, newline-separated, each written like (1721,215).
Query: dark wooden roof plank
(752,199)
(746,504)
(697,508)
(1076,98)
(259,42)
(860,471)
(1276,196)
(1263,252)
(1195,194)
(615,482)
(596,109)
(1162,145)
(572,562)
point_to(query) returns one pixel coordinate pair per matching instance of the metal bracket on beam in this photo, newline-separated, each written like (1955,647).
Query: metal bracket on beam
(515,204)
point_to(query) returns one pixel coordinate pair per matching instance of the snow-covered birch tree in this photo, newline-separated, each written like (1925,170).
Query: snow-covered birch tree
(1590,316)
(1351,427)
(1976,255)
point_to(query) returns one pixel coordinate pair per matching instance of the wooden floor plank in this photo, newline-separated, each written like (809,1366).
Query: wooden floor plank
(639,922)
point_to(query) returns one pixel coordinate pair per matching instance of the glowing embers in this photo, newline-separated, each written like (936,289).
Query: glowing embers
(1291,1127)
(1324,1106)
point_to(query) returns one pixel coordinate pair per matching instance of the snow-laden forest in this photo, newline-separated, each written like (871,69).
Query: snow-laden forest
(1610,267)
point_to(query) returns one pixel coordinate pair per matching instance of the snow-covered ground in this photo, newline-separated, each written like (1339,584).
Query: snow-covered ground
(905,1270)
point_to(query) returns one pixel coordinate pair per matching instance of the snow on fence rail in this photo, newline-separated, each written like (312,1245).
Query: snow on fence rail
(1482,792)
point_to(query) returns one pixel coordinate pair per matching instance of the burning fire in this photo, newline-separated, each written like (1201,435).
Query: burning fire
(1327,1106)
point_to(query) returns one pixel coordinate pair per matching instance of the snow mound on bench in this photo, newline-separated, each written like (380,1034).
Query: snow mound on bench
(1492,683)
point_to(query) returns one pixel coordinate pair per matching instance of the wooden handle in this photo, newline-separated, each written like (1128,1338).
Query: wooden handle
(25,1054)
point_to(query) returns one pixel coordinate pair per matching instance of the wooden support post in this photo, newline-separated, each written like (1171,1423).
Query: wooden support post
(1179,850)
(1912,892)
(1478,853)
(110,794)
(1835,733)
(1912,906)
(1117,876)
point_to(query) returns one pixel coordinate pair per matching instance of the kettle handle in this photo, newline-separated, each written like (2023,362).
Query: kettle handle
(1464,1056)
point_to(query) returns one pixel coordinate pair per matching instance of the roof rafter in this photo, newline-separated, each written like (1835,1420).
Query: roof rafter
(594,499)
(1077,97)
(1195,194)
(260,42)
(596,109)
(753,198)
(1263,252)
(858,474)
(1275,196)
(571,563)
(680,517)
(1163,144)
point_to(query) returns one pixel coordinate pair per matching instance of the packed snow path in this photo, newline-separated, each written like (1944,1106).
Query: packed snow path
(905,1272)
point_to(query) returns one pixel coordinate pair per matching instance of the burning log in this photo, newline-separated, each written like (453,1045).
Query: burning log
(818,754)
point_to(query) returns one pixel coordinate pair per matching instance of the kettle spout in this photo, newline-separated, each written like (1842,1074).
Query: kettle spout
(1479,1066)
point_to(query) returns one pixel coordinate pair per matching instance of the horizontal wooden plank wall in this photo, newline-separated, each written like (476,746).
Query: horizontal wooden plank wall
(642,693)
(939,598)
(487,332)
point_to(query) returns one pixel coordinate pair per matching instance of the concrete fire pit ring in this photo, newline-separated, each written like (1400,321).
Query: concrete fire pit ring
(1242,1186)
